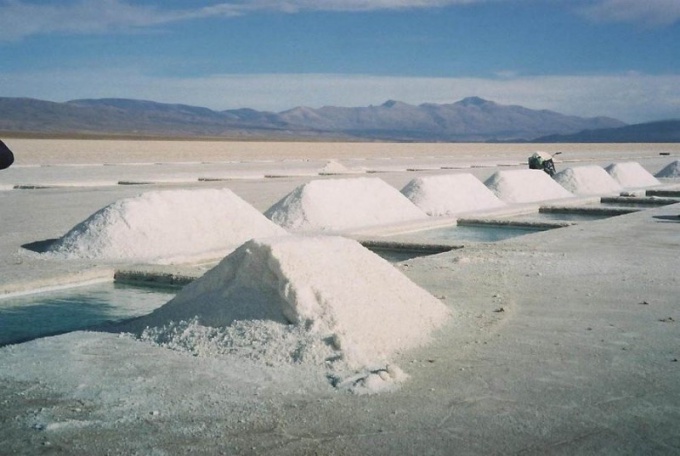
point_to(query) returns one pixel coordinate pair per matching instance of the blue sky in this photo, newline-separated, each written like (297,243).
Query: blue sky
(619,58)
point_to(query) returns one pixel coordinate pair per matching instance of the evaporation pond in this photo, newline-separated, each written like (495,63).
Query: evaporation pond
(469,233)
(561,217)
(37,315)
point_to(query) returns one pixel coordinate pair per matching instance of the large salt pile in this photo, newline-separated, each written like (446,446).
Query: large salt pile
(343,303)
(166,224)
(337,204)
(631,174)
(587,180)
(525,186)
(671,170)
(450,194)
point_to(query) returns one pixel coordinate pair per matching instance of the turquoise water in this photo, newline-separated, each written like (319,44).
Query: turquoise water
(42,314)
(469,233)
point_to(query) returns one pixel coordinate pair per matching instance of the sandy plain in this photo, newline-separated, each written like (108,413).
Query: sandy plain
(562,342)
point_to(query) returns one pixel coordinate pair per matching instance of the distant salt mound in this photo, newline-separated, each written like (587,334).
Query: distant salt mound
(166,224)
(525,186)
(670,171)
(333,167)
(337,204)
(450,194)
(631,174)
(587,180)
(343,300)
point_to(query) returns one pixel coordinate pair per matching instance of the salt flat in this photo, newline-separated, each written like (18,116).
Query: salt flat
(560,342)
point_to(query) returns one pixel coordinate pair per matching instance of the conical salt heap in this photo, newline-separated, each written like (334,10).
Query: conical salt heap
(587,180)
(631,174)
(525,186)
(332,286)
(338,204)
(450,194)
(166,224)
(670,171)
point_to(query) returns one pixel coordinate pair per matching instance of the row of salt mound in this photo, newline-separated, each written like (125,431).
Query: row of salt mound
(450,194)
(338,204)
(631,174)
(166,224)
(525,186)
(670,171)
(587,180)
(332,287)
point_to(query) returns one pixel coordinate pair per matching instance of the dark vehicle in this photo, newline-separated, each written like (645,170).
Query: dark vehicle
(544,161)
(6,156)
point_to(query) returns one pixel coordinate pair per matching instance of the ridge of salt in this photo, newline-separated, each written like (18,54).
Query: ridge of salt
(450,194)
(525,186)
(337,204)
(303,281)
(587,180)
(631,174)
(335,167)
(165,224)
(670,170)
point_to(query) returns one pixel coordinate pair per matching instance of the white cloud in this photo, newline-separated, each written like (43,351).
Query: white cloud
(352,5)
(647,12)
(21,18)
(629,97)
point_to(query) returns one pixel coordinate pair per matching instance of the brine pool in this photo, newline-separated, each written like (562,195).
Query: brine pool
(28,317)
(468,233)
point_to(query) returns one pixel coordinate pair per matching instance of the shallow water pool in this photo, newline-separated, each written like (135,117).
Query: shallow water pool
(43,314)
(470,233)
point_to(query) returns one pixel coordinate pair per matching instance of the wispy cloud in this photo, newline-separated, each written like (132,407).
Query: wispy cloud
(22,18)
(647,12)
(630,97)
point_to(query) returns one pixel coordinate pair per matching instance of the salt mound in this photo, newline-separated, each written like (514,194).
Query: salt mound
(587,180)
(337,204)
(166,224)
(671,170)
(631,174)
(335,167)
(450,194)
(525,186)
(357,304)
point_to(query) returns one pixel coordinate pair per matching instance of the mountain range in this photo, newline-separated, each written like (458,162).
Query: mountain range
(472,119)
(664,131)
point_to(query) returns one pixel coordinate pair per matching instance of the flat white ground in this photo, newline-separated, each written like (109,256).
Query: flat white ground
(562,342)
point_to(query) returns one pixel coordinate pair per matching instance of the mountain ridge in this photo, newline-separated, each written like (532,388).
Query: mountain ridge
(662,131)
(472,119)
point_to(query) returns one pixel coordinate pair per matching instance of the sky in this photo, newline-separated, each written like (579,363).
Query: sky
(616,58)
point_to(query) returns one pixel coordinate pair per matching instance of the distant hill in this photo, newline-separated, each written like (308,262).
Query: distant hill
(665,131)
(472,119)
